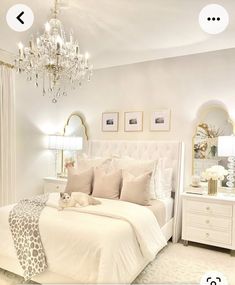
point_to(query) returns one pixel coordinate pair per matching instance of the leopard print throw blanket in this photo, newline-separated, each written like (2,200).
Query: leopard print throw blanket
(24,225)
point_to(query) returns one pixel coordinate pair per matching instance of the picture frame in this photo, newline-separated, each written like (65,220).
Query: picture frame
(160,120)
(133,121)
(110,121)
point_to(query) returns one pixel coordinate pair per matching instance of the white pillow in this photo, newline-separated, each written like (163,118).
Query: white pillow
(86,163)
(137,167)
(163,180)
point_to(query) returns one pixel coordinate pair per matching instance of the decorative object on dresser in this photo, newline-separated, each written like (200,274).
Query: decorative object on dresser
(160,120)
(133,121)
(110,122)
(213,175)
(54,60)
(209,220)
(226,148)
(196,179)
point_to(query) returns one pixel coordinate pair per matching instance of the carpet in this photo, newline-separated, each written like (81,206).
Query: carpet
(174,264)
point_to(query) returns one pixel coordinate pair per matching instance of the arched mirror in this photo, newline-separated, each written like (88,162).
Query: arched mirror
(213,121)
(75,126)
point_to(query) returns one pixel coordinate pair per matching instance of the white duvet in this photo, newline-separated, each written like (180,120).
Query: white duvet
(107,243)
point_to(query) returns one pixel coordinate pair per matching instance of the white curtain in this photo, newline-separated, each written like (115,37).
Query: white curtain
(7,135)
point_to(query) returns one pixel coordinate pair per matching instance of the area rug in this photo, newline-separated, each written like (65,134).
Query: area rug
(175,264)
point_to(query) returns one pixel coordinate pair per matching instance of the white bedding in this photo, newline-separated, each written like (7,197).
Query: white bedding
(107,243)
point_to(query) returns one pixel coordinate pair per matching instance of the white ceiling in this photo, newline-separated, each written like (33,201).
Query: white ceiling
(118,32)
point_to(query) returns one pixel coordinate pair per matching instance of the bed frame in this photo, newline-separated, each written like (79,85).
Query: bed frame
(144,150)
(174,151)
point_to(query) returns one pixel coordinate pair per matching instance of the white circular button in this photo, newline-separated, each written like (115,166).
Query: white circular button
(213,278)
(20,18)
(213,19)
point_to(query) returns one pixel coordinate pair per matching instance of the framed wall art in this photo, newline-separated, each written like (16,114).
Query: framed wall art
(110,122)
(133,121)
(160,120)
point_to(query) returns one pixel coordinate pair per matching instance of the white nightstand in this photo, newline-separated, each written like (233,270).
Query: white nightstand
(209,219)
(54,184)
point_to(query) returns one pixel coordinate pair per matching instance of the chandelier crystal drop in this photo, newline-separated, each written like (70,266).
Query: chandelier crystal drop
(54,59)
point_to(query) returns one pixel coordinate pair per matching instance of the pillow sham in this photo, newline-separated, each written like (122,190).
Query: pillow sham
(79,181)
(163,180)
(135,189)
(86,163)
(138,167)
(107,185)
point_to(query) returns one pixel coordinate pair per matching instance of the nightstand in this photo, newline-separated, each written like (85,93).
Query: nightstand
(209,219)
(54,184)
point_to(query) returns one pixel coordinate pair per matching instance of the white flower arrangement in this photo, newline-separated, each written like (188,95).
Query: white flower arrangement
(216,172)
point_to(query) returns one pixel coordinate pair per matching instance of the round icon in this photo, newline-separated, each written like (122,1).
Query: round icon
(20,18)
(213,278)
(213,19)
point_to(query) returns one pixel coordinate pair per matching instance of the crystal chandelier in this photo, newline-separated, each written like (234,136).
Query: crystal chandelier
(54,60)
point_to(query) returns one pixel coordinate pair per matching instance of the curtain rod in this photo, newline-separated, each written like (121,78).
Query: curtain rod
(6,64)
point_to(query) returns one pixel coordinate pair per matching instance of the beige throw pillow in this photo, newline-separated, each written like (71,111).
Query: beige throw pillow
(79,181)
(136,189)
(107,185)
(138,167)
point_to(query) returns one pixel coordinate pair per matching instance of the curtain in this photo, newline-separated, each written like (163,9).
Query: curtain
(7,135)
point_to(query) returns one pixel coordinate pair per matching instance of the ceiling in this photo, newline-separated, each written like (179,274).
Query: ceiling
(118,32)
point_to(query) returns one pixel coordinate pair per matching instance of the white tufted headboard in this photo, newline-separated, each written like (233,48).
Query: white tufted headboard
(173,151)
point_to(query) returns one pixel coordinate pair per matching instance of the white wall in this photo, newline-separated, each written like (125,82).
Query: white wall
(182,84)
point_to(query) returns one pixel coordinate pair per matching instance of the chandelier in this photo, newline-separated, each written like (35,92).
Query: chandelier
(54,60)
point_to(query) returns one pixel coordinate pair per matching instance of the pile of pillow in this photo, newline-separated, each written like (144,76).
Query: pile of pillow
(127,179)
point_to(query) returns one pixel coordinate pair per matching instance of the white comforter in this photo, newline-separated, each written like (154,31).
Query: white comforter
(107,243)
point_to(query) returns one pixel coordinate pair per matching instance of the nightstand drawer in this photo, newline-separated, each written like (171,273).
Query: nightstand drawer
(208,208)
(54,187)
(209,222)
(207,236)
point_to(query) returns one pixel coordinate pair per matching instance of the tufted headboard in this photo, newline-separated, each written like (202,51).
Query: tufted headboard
(173,151)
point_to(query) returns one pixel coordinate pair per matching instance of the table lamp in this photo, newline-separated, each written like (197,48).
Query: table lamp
(226,148)
(62,143)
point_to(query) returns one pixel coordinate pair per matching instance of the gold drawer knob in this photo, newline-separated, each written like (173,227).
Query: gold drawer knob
(207,234)
(57,187)
(207,221)
(208,208)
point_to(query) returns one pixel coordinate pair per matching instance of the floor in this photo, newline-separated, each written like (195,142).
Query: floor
(174,264)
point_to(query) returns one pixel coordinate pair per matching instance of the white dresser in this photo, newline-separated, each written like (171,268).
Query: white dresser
(54,184)
(209,219)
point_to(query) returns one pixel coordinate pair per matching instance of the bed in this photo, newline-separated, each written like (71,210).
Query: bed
(80,245)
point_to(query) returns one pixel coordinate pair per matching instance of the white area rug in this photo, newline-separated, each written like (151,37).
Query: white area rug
(174,264)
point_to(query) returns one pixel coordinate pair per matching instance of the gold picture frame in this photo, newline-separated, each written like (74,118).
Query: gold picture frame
(110,122)
(160,120)
(133,121)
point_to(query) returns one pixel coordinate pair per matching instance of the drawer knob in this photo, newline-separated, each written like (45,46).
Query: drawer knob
(208,208)
(207,234)
(57,187)
(207,221)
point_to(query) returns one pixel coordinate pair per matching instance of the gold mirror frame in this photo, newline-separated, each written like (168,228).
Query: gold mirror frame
(83,124)
(82,119)
(202,112)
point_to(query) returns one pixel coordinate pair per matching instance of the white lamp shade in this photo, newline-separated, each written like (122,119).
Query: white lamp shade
(64,143)
(226,146)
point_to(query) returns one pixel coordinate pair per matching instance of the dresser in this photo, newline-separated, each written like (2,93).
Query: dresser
(209,219)
(54,184)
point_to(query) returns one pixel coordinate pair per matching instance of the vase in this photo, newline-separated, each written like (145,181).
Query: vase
(212,187)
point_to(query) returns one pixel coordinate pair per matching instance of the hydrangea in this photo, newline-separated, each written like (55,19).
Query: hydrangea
(216,172)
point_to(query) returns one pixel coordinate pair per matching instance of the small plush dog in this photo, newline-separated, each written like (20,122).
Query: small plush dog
(76,199)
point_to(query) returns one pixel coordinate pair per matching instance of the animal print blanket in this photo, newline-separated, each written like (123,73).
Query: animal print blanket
(24,225)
